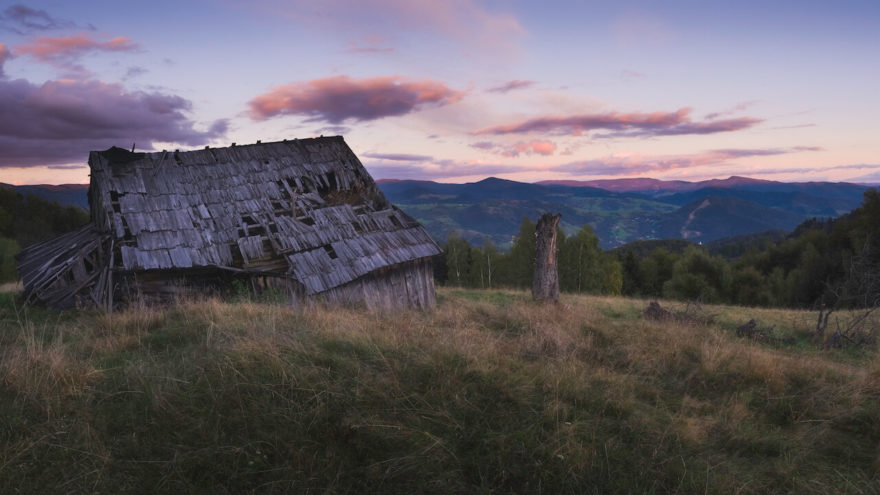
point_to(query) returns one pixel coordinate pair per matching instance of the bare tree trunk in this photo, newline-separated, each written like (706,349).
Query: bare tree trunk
(545,284)
(489,264)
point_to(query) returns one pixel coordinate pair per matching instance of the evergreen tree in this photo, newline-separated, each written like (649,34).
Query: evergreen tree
(631,277)
(8,249)
(656,270)
(698,276)
(520,264)
(749,287)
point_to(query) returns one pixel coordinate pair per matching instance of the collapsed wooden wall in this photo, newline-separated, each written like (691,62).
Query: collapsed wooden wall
(399,286)
(70,271)
(404,285)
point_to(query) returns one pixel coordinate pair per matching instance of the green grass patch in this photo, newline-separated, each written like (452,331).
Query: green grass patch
(487,393)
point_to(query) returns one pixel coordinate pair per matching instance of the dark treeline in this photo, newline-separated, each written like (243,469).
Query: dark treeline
(27,219)
(832,263)
(583,266)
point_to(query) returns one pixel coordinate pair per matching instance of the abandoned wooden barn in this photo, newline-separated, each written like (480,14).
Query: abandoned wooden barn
(299,216)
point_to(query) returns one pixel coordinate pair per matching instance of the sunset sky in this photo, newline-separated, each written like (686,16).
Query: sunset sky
(454,90)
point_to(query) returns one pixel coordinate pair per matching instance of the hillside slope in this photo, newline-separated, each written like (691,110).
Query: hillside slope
(714,217)
(488,393)
(619,211)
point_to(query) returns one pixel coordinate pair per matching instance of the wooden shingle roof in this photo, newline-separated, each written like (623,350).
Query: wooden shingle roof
(305,208)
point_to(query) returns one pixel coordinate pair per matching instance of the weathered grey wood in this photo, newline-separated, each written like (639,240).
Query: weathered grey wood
(305,210)
(545,284)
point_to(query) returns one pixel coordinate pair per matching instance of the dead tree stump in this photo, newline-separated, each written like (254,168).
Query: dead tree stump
(545,284)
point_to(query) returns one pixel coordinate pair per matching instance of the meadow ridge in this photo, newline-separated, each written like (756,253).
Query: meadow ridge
(487,393)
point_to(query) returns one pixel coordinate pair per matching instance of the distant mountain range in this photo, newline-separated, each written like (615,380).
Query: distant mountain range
(64,194)
(620,211)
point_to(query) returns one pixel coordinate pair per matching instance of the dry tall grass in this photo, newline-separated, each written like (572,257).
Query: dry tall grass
(488,392)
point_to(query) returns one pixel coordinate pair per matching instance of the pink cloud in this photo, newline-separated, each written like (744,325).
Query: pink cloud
(60,121)
(544,148)
(510,86)
(633,164)
(340,98)
(622,124)
(55,49)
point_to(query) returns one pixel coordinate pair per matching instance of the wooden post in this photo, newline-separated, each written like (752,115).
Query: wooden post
(545,284)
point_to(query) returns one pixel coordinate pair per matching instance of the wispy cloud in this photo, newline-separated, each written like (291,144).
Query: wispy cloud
(510,86)
(22,19)
(399,157)
(871,178)
(338,130)
(631,74)
(624,164)
(468,23)
(436,169)
(62,48)
(634,124)
(538,147)
(369,44)
(5,55)
(807,170)
(60,121)
(342,98)
(484,145)
(796,126)
(134,71)
(64,52)
(730,111)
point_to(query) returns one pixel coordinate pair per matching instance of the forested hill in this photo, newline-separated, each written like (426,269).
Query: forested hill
(823,263)
(63,194)
(619,211)
(26,219)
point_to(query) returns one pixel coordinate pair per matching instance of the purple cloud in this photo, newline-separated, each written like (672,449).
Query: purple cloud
(134,71)
(484,145)
(60,121)
(341,98)
(535,147)
(510,86)
(5,55)
(28,19)
(634,124)
(736,108)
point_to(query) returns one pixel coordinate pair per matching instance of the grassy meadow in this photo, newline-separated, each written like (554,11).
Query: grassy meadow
(487,393)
